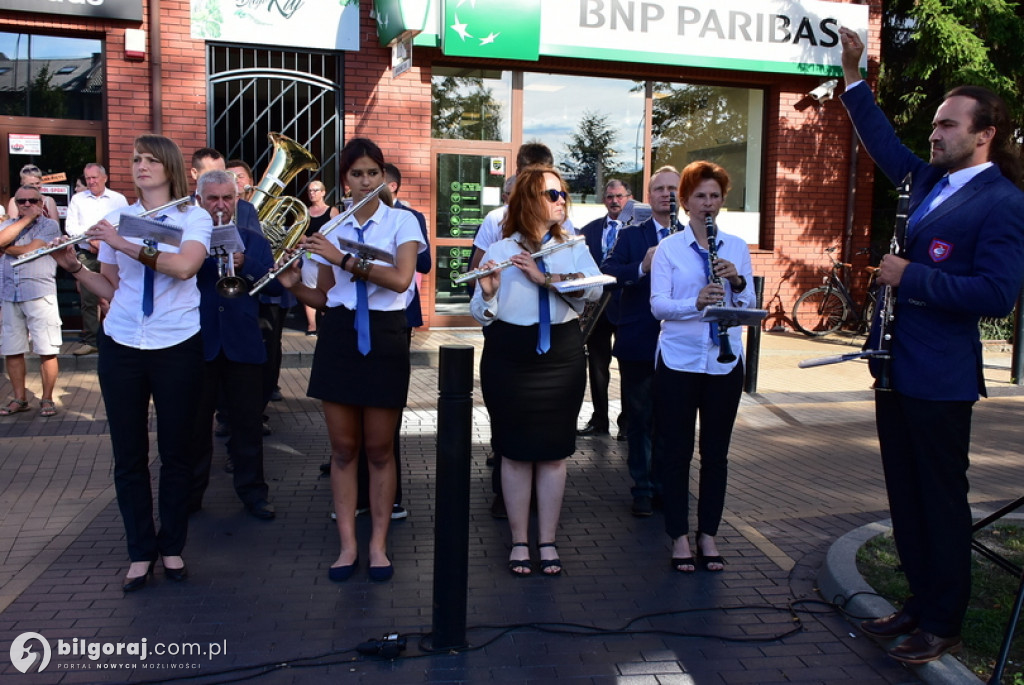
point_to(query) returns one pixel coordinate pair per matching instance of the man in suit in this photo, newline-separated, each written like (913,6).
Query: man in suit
(600,236)
(637,335)
(235,354)
(963,259)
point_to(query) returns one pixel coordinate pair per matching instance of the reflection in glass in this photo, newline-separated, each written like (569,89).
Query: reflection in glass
(52,77)
(717,124)
(470,104)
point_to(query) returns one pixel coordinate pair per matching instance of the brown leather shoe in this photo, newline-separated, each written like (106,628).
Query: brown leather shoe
(890,626)
(922,647)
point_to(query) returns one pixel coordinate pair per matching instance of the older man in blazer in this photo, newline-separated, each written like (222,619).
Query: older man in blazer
(963,259)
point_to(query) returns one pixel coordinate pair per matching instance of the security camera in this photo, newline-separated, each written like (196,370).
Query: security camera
(824,92)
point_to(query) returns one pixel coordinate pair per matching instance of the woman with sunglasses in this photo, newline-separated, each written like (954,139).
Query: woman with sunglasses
(533,371)
(149,346)
(319,214)
(361,364)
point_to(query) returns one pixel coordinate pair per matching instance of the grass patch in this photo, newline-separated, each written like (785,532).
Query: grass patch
(993,592)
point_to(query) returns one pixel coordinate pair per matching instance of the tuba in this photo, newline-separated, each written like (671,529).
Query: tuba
(283,218)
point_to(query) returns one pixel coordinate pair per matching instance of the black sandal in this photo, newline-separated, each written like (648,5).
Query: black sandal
(705,561)
(520,568)
(683,561)
(546,564)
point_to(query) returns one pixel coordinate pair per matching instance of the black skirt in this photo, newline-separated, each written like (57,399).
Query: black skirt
(342,375)
(533,399)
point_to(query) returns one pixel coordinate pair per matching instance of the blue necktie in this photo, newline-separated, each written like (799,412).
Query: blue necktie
(712,326)
(925,206)
(662,234)
(362,309)
(609,239)
(147,285)
(544,331)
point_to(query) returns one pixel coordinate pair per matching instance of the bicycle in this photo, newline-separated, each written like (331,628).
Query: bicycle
(830,306)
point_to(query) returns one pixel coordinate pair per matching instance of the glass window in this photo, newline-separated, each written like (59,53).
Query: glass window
(594,127)
(50,76)
(471,104)
(720,125)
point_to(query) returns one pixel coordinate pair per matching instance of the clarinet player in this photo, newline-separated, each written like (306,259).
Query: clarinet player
(693,373)
(963,259)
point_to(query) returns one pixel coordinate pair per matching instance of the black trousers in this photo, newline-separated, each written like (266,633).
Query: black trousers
(273,315)
(599,361)
(129,377)
(925,448)
(240,387)
(679,398)
(90,301)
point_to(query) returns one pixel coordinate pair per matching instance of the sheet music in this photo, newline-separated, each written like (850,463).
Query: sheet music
(367,251)
(144,228)
(583,283)
(734,316)
(226,239)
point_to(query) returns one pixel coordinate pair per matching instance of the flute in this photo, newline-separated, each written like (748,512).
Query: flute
(43,251)
(543,252)
(725,353)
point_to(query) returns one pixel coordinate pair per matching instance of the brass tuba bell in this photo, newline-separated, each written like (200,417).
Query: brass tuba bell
(283,218)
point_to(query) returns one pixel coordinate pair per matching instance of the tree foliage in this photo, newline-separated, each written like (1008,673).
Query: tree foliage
(464,108)
(591,157)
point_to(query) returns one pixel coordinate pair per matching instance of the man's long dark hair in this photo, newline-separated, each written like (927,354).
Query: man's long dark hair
(990,110)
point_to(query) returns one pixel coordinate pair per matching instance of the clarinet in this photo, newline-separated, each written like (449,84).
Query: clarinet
(673,211)
(725,353)
(887,298)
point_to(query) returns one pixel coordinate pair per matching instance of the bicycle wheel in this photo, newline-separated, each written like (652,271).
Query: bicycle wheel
(819,311)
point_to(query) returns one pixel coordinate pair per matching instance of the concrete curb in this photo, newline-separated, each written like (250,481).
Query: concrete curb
(839,581)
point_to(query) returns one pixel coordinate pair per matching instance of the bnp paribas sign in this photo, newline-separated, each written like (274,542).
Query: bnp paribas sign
(130,10)
(785,36)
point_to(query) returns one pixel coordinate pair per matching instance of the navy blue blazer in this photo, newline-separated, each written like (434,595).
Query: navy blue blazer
(966,261)
(637,335)
(414,312)
(594,235)
(232,325)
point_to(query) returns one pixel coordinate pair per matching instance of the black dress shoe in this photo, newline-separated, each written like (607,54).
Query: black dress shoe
(592,429)
(642,506)
(922,647)
(138,582)
(890,626)
(261,509)
(176,574)
(621,437)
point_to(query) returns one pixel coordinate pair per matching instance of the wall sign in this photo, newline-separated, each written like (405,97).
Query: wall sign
(130,10)
(24,144)
(312,24)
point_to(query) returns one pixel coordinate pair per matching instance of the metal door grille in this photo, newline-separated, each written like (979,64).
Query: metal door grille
(253,91)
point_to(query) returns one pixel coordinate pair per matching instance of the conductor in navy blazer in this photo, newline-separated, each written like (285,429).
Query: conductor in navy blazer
(637,336)
(235,353)
(963,259)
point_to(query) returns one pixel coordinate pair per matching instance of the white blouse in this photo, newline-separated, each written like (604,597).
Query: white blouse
(677,277)
(386,229)
(175,316)
(516,300)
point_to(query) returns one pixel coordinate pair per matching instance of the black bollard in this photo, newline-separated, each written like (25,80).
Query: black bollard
(754,343)
(451,497)
(1017,356)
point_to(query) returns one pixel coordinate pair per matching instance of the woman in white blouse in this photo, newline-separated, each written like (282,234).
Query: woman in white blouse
(689,380)
(361,365)
(533,370)
(150,347)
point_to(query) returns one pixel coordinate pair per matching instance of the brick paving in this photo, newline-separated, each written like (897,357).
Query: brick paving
(804,471)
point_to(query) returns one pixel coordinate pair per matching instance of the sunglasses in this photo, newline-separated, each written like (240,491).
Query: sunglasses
(28,200)
(553,195)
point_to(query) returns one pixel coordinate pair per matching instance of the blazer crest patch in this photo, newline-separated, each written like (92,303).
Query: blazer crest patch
(940,250)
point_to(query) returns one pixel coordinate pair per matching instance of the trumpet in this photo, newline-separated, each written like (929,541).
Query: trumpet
(43,251)
(228,284)
(543,252)
(327,228)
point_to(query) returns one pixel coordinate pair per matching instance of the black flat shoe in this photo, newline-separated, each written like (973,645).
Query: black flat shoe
(339,574)
(138,582)
(381,574)
(176,574)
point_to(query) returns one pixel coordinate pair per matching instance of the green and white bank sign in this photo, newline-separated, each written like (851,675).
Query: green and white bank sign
(781,36)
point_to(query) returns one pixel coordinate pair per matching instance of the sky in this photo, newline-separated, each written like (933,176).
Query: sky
(47,47)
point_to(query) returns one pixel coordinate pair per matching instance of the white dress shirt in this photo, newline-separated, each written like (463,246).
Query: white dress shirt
(677,277)
(175,316)
(387,229)
(516,300)
(86,209)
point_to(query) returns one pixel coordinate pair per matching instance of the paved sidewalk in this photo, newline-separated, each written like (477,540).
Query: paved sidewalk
(804,472)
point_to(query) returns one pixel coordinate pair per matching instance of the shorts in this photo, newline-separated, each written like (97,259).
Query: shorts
(38,319)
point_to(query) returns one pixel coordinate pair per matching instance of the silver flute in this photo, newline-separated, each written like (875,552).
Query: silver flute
(43,251)
(327,228)
(543,252)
